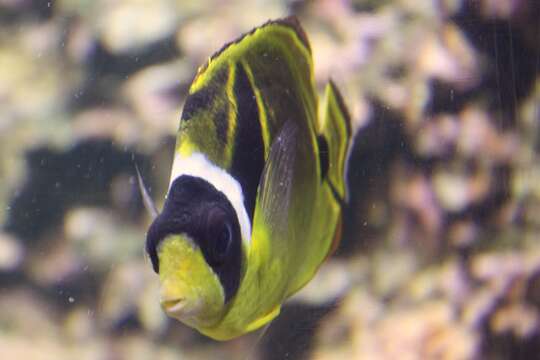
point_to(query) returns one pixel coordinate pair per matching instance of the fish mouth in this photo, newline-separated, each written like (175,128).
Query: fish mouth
(173,306)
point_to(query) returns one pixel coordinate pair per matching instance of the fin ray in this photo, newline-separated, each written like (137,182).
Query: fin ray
(147,200)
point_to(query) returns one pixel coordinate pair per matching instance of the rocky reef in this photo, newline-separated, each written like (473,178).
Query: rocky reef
(440,257)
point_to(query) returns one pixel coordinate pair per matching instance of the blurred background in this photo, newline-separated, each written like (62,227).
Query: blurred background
(441,251)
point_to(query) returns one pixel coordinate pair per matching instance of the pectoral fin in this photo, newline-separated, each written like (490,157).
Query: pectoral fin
(274,194)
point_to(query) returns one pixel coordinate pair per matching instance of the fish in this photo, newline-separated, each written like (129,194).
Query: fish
(258,184)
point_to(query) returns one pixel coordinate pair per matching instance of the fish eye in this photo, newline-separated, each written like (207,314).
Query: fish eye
(219,235)
(220,243)
(184,218)
(223,240)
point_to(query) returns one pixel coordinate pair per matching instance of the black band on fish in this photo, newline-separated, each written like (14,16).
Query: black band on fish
(248,160)
(196,208)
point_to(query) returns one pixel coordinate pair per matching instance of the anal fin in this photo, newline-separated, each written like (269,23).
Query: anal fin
(334,142)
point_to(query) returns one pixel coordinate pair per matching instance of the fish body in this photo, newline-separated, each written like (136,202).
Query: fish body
(257,185)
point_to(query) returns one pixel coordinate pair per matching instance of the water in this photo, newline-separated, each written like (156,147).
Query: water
(439,255)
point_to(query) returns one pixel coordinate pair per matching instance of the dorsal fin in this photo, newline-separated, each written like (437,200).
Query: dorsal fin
(290,22)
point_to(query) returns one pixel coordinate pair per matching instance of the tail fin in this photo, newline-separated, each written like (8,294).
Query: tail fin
(336,131)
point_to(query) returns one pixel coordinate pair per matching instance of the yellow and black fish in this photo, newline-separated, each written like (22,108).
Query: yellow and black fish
(257,185)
